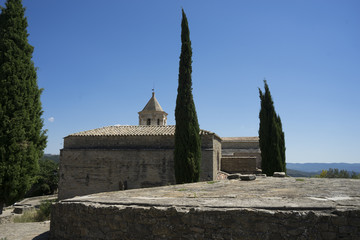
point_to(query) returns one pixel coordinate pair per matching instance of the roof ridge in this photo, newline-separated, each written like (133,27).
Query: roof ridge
(134,130)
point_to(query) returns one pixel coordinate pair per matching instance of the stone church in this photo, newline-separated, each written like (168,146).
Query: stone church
(127,157)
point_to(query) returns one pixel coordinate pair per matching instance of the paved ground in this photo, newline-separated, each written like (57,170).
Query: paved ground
(263,193)
(24,231)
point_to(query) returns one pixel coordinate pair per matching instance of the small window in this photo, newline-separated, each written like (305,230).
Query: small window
(158,121)
(148,121)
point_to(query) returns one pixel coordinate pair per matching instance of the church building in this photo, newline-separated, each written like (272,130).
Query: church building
(127,157)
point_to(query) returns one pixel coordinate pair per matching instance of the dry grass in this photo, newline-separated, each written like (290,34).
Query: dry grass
(40,215)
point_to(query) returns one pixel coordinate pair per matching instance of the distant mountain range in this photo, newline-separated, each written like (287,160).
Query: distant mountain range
(318,167)
(311,169)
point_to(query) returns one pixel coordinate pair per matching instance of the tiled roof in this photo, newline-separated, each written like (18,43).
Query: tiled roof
(153,105)
(240,139)
(141,130)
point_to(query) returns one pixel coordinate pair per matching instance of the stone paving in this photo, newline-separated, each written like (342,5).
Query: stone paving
(24,231)
(266,208)
(263,193)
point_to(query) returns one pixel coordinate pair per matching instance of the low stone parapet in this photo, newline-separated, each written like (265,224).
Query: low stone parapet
(267,208)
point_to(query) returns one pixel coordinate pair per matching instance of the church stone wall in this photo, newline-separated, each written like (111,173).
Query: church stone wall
(242,148)
(86,171)
(238,164)
(119,142)
(240,144)
(101,164)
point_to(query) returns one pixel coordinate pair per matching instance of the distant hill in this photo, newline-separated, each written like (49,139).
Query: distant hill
(54,157)
(318,167)
(296,173)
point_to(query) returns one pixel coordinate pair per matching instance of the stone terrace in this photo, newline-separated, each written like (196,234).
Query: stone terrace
(267,208)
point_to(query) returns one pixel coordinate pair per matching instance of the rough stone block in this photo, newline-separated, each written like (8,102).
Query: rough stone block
(339,221)
(248,177)
(261,175)
(279,174)
(354,222)
(234,176)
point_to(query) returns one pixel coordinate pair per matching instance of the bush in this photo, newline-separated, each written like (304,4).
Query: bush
(40,215)
(44,211)
(335,173)
(46,180)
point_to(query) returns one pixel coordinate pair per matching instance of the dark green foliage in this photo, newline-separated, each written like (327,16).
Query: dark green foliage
(44,211)
(46,180)
(187,139)
(272,140)
(53,157)
(22,139)
(335,173)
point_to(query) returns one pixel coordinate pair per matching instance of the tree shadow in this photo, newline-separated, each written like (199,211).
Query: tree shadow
(43,236)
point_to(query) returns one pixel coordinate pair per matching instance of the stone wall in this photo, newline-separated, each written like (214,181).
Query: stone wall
(86,171)
(119,142)
(236,144)
(109,163)
(238,164)
(85,221)
(242,147)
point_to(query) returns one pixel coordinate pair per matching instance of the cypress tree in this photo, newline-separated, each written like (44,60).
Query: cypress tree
(22,139)
(187,154)
(281,143)
(272,140)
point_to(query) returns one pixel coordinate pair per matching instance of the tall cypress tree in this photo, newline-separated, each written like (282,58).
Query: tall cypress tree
(272,141)
(282,147)
(187,153)
(22,139)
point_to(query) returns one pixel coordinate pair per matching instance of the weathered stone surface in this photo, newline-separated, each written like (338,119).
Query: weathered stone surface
(238,164)
(248,177)
(25,231)
(267,208)
(279,174)
(261,175)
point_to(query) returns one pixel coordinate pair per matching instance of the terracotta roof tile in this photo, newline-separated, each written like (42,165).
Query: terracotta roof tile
(240,139)
(133,131)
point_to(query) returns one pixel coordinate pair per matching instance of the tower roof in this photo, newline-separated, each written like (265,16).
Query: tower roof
(153,105)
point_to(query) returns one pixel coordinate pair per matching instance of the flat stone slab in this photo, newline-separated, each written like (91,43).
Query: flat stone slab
(264,193)
(234,176)
(248,177)
(279,174)
(266,208)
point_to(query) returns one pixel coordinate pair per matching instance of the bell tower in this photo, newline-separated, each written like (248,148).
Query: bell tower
(153,114)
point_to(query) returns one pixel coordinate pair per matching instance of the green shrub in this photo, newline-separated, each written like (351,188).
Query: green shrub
(336,173)
(44,211)
(40,215)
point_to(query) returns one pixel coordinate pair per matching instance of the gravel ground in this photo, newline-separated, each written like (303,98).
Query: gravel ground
(25,231)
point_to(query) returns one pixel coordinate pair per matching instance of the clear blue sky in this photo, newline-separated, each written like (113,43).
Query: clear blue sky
(99,60)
